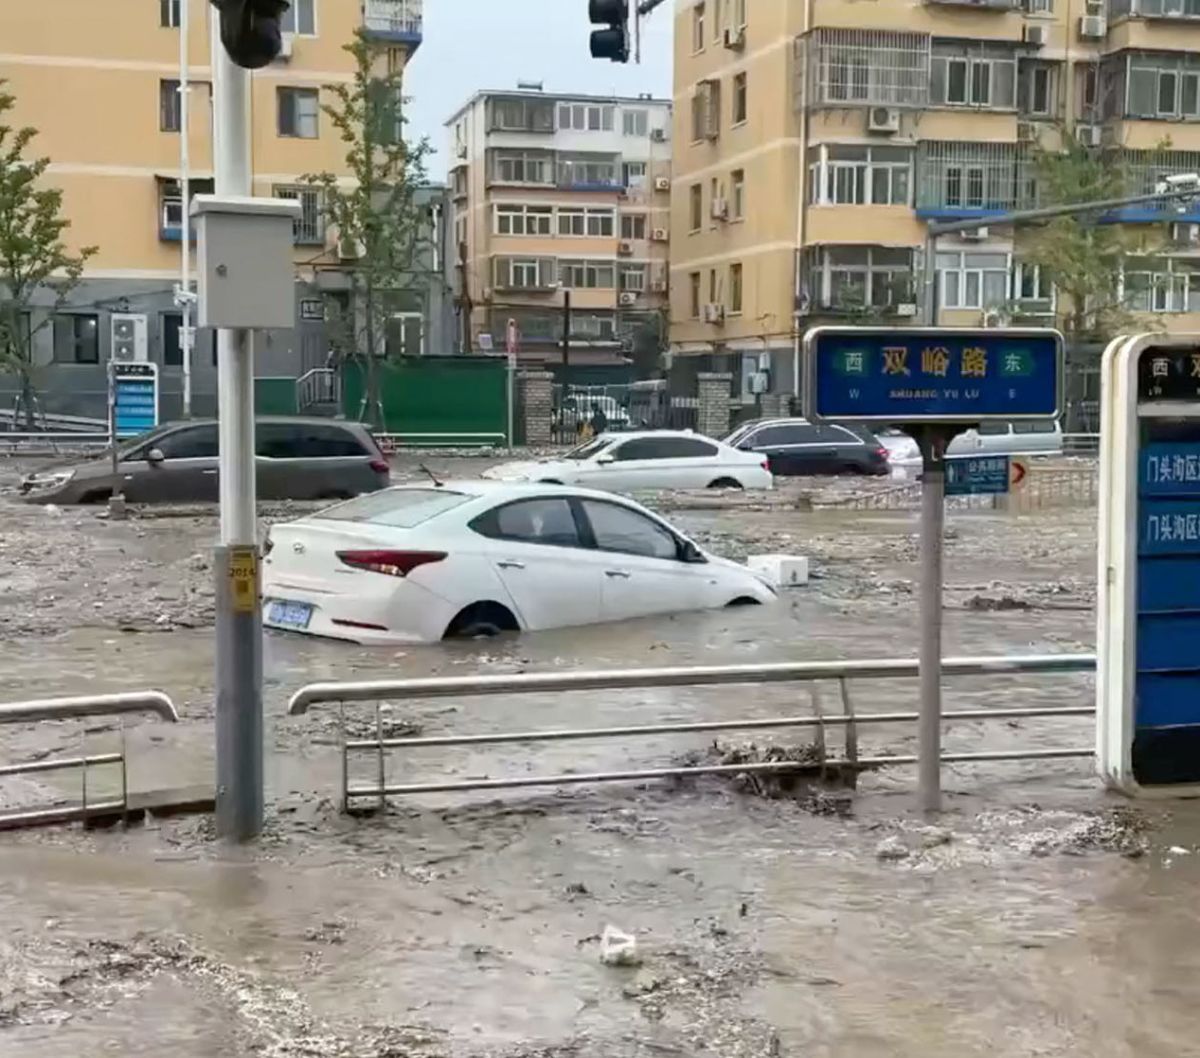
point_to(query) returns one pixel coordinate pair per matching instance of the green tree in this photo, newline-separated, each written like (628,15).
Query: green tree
(36,267)
(379,212)
(1083,257)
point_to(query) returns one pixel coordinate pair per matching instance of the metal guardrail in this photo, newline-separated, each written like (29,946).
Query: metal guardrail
(37,442)
(137,702)
(393,442)
(786,672)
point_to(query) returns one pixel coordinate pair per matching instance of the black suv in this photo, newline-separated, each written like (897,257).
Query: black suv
(799,448)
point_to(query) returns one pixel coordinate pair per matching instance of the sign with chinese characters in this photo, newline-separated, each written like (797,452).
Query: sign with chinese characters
(135,398)
(1169,373)
(934,375)
(978,476)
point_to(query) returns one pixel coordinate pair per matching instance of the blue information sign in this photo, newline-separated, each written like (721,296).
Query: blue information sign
(977,476)
(936,375)
(135,398)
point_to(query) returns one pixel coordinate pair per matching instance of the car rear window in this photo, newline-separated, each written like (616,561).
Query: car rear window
(276,440)
(399,508)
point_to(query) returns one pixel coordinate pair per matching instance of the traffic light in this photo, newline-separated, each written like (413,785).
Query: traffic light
(613,41)
(250,30)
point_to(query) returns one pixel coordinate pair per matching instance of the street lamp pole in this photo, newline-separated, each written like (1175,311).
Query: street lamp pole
(1167,193)
(183,295)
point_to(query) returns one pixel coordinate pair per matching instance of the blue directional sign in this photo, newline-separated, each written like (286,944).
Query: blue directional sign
(935,375)
(135,403)
(978,476)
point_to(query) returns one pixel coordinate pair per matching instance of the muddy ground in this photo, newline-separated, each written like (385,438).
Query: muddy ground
(1038,916)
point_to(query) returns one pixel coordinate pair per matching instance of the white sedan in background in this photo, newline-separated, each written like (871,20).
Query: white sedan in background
(420,563)
(653,459)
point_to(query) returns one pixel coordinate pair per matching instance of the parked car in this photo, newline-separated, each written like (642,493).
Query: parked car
(578,410)
(297,459)
(991,438)
(796,447)
(655,459)
(420,563)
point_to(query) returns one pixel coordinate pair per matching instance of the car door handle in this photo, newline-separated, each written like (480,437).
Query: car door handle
(617,574)
(212,472)
(510,563)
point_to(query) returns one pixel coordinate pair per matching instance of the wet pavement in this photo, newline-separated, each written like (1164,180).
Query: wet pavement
(1038,916)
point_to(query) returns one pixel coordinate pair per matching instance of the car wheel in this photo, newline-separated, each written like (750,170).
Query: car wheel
(725,483)
(483,620)
(743,600)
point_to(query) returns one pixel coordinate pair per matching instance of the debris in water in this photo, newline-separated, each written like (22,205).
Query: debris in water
(891,848)
(618,948)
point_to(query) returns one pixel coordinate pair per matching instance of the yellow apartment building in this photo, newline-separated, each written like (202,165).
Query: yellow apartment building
(99,80)
(559,194)
(815,139)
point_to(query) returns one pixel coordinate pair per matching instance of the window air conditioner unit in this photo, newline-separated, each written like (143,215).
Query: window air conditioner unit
(973,235)
(129,337)
(1088,135)
(658,286)
(658,135)
(286,44)
(624,249)
(350,249)
(1026,132)
(1037,35)
(1092,27)
(906,308)
(735,39)
(658,235)
(662,183)
(626,297)
(995,318)
(883,119)
(720,208)
(1185,233)
(714,313)
(1094,7)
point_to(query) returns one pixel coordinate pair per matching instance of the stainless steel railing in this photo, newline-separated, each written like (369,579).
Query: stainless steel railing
(137,702)
(787,672)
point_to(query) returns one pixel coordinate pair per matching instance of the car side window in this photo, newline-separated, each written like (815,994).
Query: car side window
(1033,427)
(619,529)
(993,429)
(834,435)
(276,440)
(640,448)
(547,521)
(688,448)
(664,448)
(194,442)
(770,436)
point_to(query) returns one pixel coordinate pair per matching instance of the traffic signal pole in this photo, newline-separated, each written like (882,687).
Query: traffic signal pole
(239,714)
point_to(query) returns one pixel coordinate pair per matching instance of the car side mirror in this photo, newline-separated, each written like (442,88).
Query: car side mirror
(155,456)
(689,552)
(604,458)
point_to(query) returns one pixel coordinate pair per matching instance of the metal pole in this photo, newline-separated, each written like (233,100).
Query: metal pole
(185,265)
(929,288)
(929,724)
(566,333)
(239,621)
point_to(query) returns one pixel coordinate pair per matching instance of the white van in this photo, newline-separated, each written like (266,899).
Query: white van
(1009,439)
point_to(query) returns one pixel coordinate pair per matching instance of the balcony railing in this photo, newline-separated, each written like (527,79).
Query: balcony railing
(989,5)
(397,21)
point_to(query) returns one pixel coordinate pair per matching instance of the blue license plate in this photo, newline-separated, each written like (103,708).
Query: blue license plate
(289,614)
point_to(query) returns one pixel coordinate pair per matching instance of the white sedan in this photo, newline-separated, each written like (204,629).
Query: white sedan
(420,563)
(655,459)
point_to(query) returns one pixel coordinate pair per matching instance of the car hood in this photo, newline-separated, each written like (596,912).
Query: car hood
(530,470)
(59,473)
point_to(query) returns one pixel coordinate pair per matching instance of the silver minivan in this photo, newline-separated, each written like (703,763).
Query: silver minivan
(1009,439)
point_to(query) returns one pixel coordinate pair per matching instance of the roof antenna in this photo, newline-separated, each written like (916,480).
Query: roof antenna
(432,476)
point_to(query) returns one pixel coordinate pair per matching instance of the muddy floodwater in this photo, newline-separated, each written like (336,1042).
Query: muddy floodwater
(1037,916)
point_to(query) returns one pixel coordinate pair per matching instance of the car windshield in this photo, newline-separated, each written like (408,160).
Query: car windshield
(399,508)
(590,448)
(126,448)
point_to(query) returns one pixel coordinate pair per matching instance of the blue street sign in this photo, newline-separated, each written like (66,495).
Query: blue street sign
(135,398)
(934,375)
(978,476)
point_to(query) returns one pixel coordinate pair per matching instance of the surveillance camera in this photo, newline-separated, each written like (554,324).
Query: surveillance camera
(250,30)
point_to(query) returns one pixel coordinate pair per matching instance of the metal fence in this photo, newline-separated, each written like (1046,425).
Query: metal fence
(408,690)
(137,702)
(582,411)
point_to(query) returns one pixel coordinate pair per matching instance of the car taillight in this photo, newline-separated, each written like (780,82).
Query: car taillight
(268,543)
(380,466)
(882,453)
(393,563)
(766,463)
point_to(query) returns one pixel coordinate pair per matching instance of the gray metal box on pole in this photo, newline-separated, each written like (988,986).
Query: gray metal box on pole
(244,261)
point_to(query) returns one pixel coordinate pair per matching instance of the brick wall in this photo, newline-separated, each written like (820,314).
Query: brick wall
(535,407)
(712,418)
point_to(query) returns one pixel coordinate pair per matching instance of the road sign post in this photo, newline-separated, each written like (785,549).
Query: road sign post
(933,383)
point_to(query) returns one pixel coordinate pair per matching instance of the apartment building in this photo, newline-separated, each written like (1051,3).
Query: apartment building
(100,83)
(815,140)
(557,196)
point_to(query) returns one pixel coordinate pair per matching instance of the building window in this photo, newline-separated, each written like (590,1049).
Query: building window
(300,18)
(636,123)
(849,175)
(168,14)
(633,174)
(714,196)
(587,172)
(706,111)
(309,228)
(694,295)
(77,339)
(523,273)
(735,288)
(973,280)
(739,98)
(582,117)
(520,167)
(737,15)
(1036,96)
(587,275)
(1032,289)
(299,110)
(170,105)
(1164,285)
(858,277)
(695,207)
(633,278)
(633,226)
(172,344)
(524,220)
(961,79)
(590,222)
(737,195)
(698,27)
(519,115)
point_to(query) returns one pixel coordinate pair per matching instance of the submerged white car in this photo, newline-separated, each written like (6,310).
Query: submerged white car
(653,459)
(420,563)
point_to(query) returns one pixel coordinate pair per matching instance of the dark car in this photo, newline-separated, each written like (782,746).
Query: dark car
(297,459)
(797,448)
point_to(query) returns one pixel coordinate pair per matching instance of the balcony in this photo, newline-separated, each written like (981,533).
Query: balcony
(985,5)
(965,181)
(393,21)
